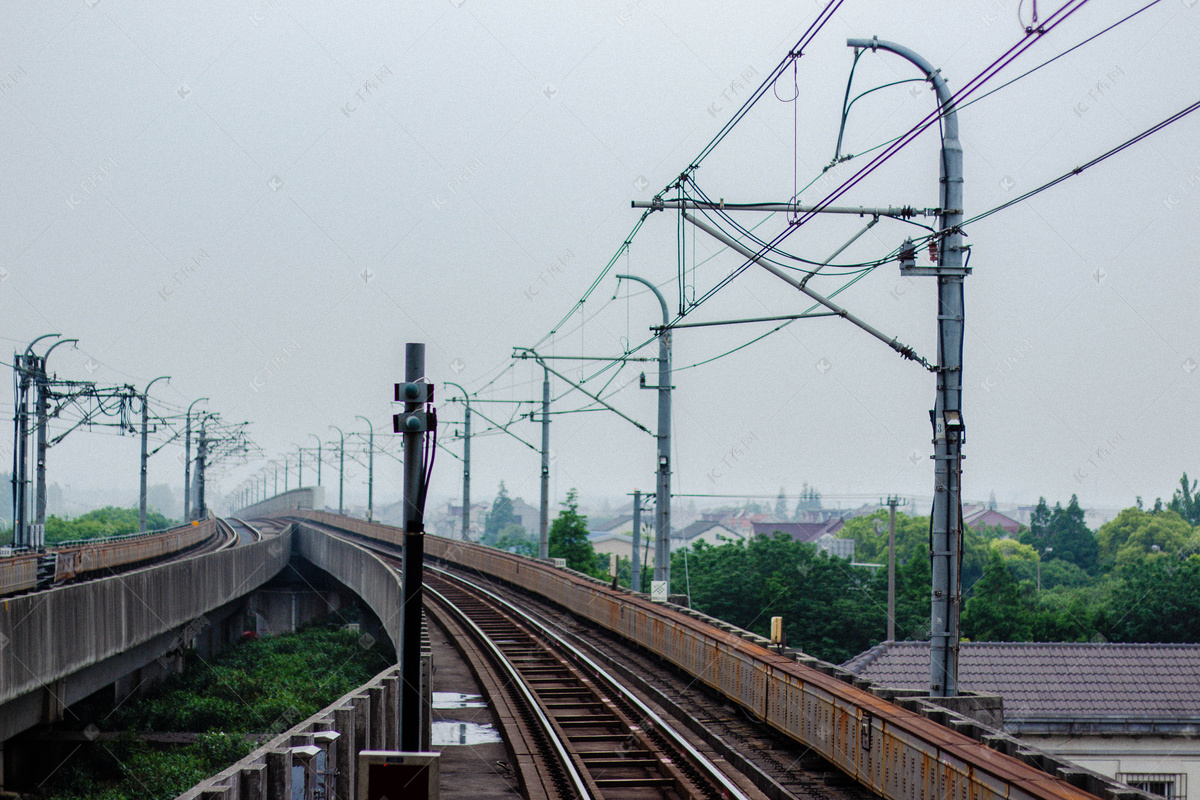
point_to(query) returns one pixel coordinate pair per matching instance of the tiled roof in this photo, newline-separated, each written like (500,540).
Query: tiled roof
(697,528)
(1056,681)
(800,531)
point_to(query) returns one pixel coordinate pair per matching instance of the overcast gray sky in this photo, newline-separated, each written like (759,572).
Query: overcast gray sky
(266,200)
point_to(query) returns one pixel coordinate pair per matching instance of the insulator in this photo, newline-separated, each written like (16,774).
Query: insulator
(933,250)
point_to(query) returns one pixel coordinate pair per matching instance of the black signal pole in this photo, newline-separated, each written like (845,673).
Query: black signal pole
(416,421)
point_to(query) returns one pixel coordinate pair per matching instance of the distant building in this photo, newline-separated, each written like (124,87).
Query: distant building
(1129,711)
(819,533)
(707,531)
(981,516)
(528,517)
(606,542)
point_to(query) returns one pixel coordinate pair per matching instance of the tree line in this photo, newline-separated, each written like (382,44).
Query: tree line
(1136,579)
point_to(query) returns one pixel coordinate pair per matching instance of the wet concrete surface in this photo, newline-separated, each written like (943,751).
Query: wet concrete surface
(474,762)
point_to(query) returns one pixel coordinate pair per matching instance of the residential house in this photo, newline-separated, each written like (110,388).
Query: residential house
(707,531)
(822,534)
(1129,711)
(980,516)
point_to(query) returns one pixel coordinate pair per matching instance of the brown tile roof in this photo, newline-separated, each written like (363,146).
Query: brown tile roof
(1052,681)
(799,531)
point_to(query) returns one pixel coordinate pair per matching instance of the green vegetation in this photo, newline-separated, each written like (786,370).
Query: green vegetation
(1137,579)
(254,687)
(499,518)
(569,537)
(107,521)
(258,685)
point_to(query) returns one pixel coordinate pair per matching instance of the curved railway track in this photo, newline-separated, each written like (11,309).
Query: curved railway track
(574,729)
(598,740)
(82,560)
(855,741)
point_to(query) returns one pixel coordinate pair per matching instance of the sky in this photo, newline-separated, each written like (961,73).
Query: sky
(267,200)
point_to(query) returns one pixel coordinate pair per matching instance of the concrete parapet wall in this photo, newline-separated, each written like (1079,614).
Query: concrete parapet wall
(358,569)
(304,499)
(367,718)
(48,636)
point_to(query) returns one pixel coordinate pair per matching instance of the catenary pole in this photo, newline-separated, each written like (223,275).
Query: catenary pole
(662,498)
(145,454)
(341,469)
(43,420)
(891,611)
(370,467)
(187,462)
(635,562)
(466,506)
(544,532)
(318,438)
(948,429)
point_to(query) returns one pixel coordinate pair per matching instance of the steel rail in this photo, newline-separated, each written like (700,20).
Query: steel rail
(518,682)
(660,725)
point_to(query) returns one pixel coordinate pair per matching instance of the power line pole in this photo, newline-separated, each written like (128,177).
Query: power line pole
(891,611)
(43,410)
(318,438)
(201,462)
(948,429)
(544,535)
(187,464)
(662,497)
(145,453)
(466,508)
(341,469)
(370,467)
(635,563)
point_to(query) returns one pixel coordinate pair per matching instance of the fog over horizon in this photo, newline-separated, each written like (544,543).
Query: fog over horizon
(266,201)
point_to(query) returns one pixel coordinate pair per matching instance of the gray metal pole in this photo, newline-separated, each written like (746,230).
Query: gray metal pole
(201,459)
(187,464)
(318,438)
(635,563)
(299,467)
(145,454)
(370,467)
(948,429)
(341,468)
(285,473)
(21,537)
(43,406)
(544,534)
(466,507)
(891,612)
(43,414)
(662,498)
(414,554)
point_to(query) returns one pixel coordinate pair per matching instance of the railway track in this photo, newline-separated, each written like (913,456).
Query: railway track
(774,767)
(573,728)
(591,736)
(779,767)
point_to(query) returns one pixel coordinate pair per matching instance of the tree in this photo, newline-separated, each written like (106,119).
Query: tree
(1134,534)
(810,500)
(995,612)
(107,521)
(1039,522)
(500,517)
(1071,538)
(1157,601)
(781,505)
(1186,502)
(515,539)
(569,537)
